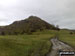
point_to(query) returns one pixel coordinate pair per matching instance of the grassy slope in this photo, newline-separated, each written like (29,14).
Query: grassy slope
(32,45)
(66,37)
(25,45)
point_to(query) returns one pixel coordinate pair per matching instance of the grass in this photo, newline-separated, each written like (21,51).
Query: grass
(67,38)
(25,45)
(37,44)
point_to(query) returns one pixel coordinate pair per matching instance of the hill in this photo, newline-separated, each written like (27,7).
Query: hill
(29,25)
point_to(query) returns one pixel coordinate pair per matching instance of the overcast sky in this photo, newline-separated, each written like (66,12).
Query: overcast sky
(58,12)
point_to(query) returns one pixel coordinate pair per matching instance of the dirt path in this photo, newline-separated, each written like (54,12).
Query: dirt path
(58,45)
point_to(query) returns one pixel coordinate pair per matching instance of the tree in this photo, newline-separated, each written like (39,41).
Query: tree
(2,33)
(57,27)
(71,33)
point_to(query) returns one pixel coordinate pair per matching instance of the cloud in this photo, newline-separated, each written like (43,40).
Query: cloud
(58,12)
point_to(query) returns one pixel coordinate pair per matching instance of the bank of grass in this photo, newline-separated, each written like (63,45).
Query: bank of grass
(63,35)
(66,37)
(37,44)
(25,45)
(69,39)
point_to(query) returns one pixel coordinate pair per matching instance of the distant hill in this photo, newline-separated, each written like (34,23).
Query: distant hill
(29,25)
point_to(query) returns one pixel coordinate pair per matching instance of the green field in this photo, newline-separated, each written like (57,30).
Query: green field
(37,44)
(68,38)
(24,45)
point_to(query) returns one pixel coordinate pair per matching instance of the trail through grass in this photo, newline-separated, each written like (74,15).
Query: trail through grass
(37,44)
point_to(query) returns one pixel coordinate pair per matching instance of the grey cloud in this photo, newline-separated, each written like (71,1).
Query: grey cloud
(58,12)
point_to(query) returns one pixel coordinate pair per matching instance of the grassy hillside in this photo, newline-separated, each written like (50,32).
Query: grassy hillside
(68,38)
(24,45)
(37,44)
(27,26)
(63,35)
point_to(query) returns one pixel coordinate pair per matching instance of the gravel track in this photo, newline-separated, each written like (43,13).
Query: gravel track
(58,45)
